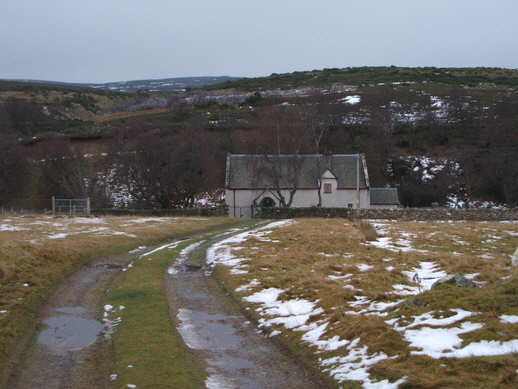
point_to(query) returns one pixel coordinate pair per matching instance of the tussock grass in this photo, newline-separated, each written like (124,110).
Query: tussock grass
(36,253)
(332,262)
(368,230)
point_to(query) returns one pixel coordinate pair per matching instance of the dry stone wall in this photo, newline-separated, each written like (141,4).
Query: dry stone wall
(403,214)
(211,211)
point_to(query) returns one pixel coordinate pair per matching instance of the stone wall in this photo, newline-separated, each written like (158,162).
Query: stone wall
(403,214)
(212,211)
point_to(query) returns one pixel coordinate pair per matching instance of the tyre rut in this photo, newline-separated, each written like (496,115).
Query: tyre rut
(235,354)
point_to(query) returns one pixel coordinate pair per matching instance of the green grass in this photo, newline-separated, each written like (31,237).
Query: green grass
(27,256)
(146,338)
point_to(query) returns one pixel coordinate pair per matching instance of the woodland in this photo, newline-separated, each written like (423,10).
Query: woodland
(445,136)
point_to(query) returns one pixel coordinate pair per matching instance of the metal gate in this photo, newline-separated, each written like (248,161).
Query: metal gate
(71,206)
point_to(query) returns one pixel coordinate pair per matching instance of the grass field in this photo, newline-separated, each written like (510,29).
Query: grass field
(148,351)
(353,300)
(37,252)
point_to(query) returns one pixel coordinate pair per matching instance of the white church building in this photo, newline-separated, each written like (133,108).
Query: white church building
(329,181)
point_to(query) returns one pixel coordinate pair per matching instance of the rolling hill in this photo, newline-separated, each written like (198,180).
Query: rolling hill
(436,133)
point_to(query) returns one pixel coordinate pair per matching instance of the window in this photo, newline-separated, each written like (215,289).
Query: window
(267,202)
(328,188)
(350,205)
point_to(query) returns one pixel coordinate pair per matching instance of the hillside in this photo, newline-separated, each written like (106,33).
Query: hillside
(362,76)
(177,84)
(441,135)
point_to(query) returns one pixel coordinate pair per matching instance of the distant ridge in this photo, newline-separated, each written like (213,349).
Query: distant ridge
(165,84)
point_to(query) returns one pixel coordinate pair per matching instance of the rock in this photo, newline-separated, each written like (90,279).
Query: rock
(417,303)
(447,279)
(458,280)
(514,260)
(464,282)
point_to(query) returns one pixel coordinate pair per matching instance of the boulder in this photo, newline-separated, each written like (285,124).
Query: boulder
(457,279)
(514,260)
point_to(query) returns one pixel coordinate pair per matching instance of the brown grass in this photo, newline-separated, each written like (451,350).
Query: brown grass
(368,230)
(315,259)
(31,264)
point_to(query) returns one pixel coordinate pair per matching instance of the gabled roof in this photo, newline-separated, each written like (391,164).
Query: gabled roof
(263,171)
(384,196)
(328,174)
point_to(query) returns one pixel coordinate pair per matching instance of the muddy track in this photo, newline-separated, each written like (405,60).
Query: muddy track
(235,353)
(63,349)
(68,346)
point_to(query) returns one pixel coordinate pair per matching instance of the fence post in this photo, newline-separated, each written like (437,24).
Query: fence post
(53,206)
(88,206)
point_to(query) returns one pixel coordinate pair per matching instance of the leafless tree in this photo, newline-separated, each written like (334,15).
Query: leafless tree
(318,131)
(145,165)
(13,168)
(63,172)
(281,137)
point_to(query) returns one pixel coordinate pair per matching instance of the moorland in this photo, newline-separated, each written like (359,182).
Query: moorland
(355,302)
(442,135)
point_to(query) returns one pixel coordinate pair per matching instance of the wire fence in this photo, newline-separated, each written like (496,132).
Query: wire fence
(71,207)
(25,206)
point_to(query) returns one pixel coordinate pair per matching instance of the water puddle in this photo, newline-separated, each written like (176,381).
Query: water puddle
(227,366)
(230,363)
(236,356)
(72,310)
(108,266)
(203,331)
(64,333)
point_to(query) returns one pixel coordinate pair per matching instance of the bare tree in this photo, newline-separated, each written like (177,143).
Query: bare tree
(196,163)
(318,130)
(166,170)
(63,172)
(281,137)
(146,166)
(13,168)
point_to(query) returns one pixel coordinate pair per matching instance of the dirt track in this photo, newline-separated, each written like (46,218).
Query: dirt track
(64,349)
(235,354)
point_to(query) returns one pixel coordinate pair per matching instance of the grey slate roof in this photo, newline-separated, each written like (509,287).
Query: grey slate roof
(384,196)
(261,172)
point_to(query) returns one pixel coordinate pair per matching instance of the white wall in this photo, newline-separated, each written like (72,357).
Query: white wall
(240,201)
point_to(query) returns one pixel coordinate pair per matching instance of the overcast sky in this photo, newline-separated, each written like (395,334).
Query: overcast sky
(119,40)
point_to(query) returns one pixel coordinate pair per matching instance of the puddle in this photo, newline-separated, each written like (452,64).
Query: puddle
(203,331)
(65,333)
(72,310)
(193,267)
(178,268)
(192,295)
(108,266)
(236,356)
(230,363)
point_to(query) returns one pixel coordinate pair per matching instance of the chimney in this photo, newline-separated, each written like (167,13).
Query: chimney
(327,161)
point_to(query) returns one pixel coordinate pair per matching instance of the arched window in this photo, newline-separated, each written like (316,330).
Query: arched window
(267,202)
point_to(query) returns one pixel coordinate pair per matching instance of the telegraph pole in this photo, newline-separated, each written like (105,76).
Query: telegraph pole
(358,185)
